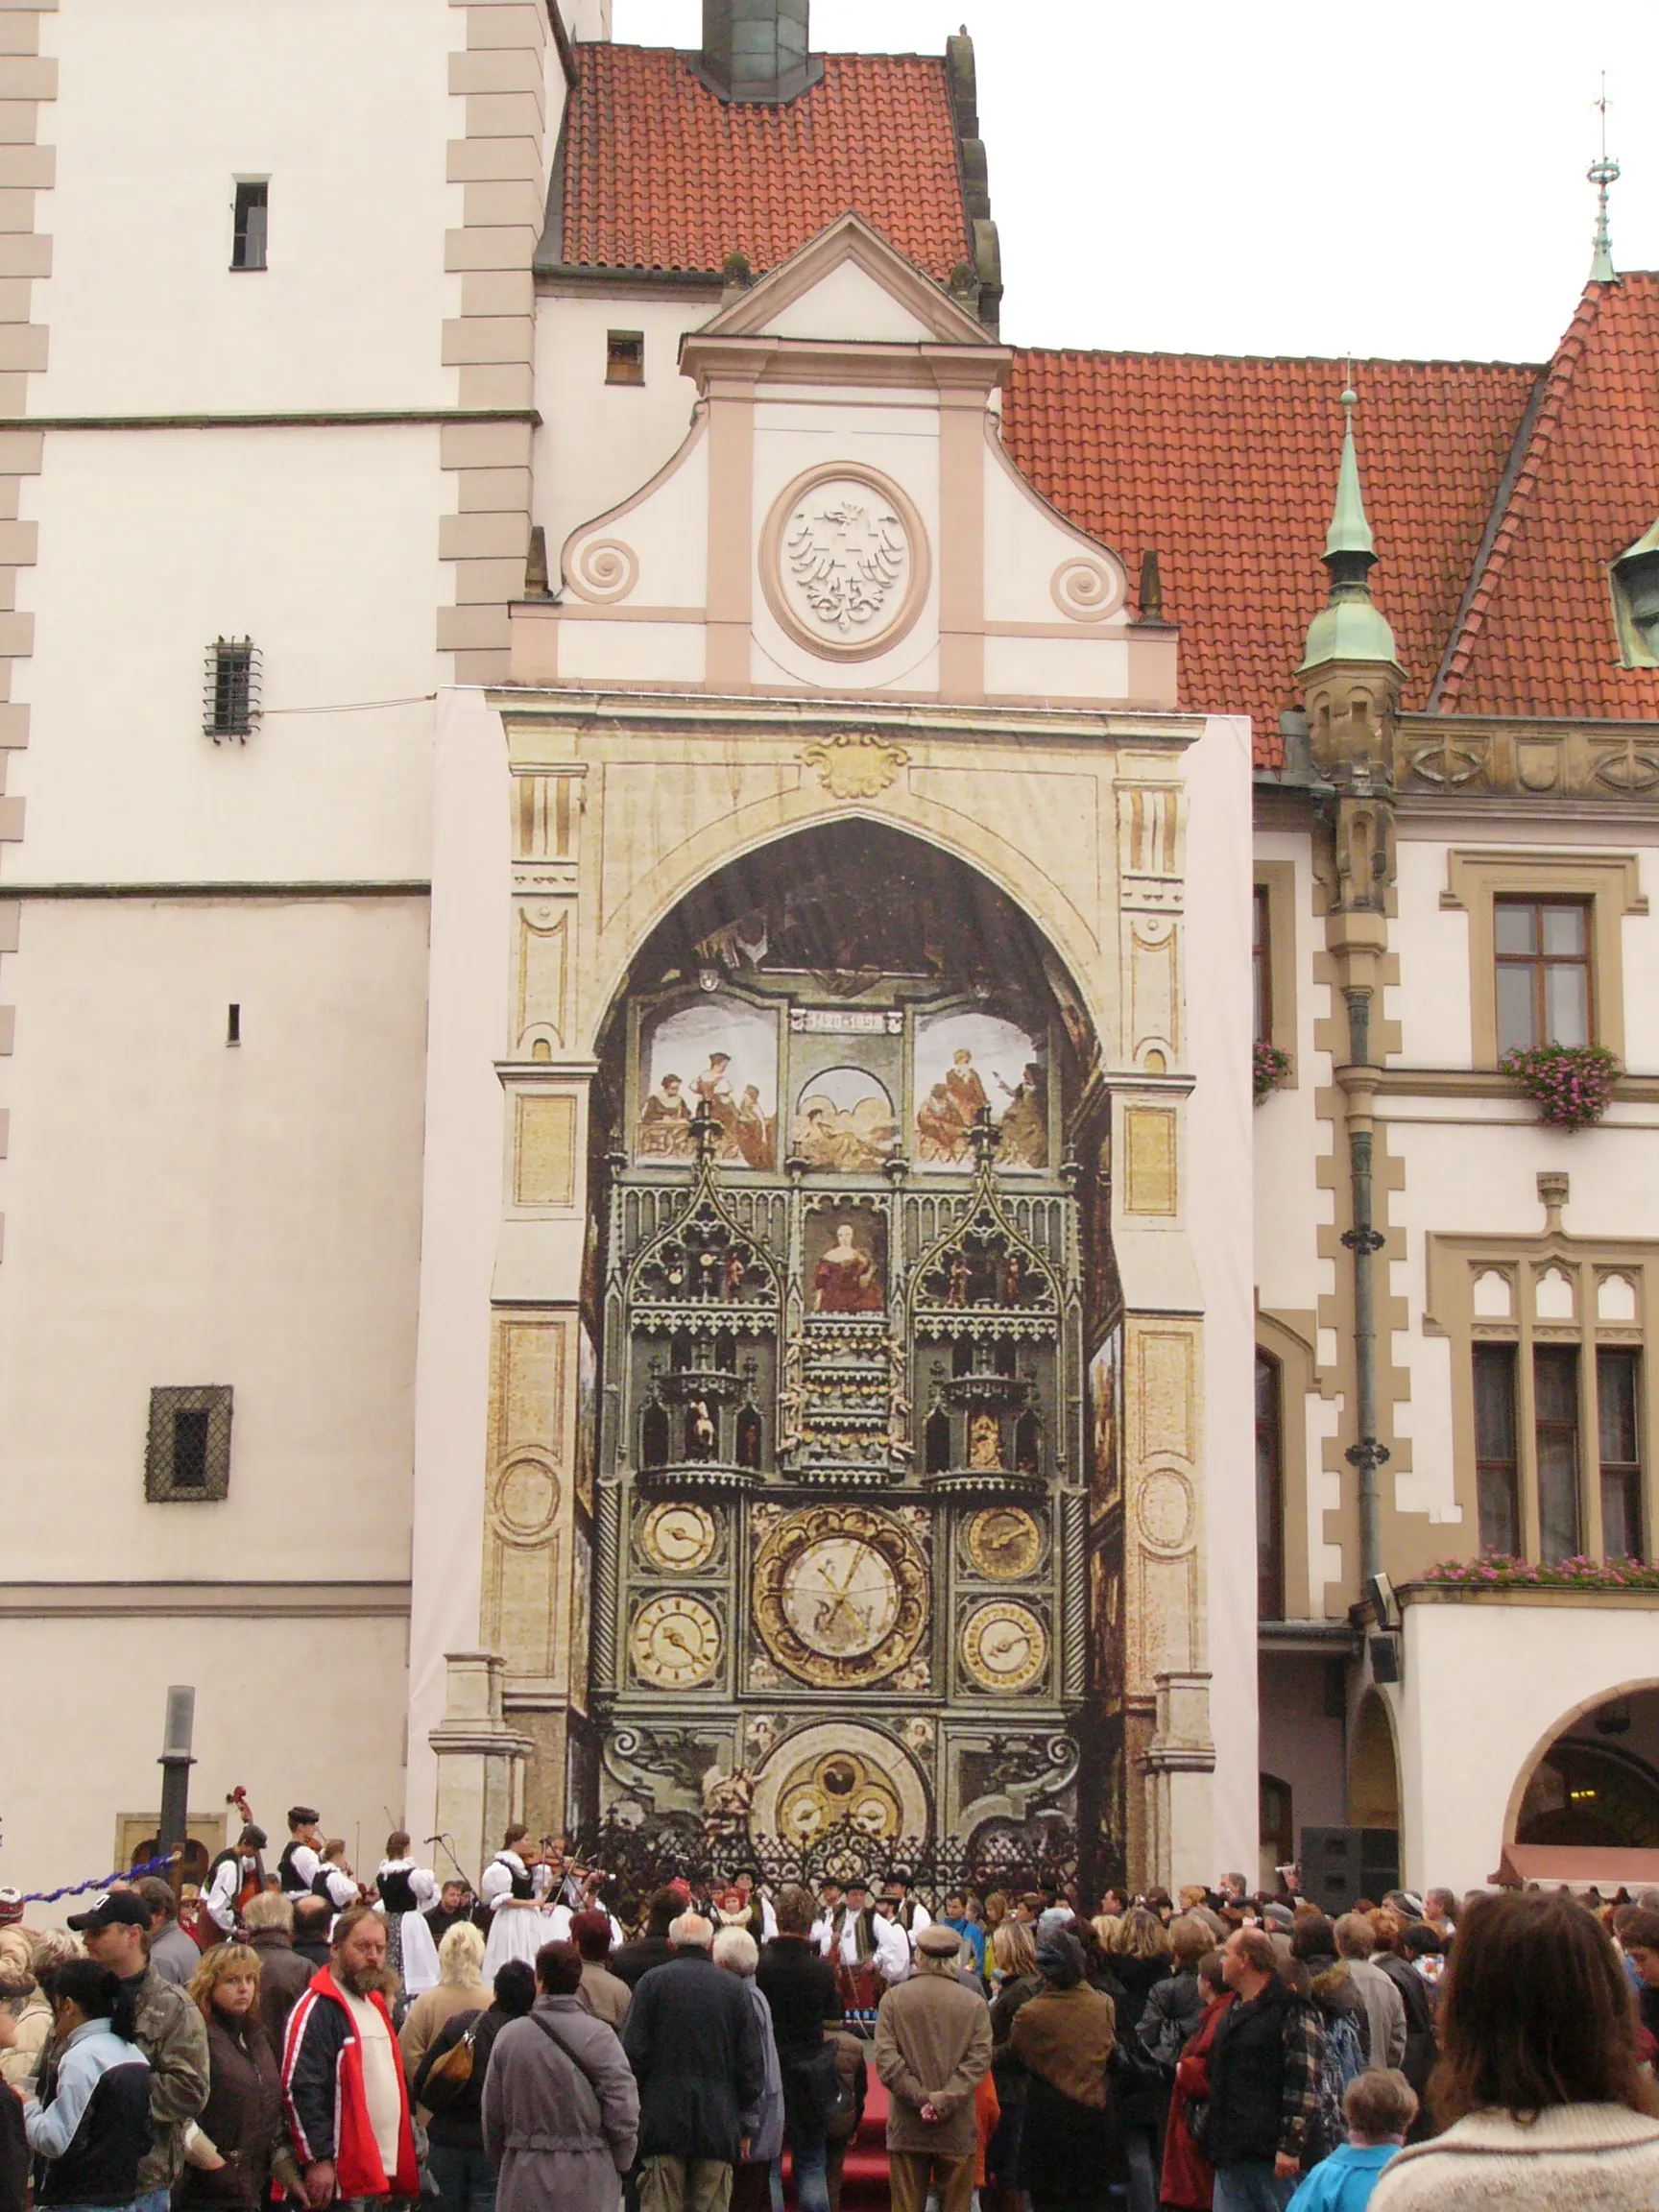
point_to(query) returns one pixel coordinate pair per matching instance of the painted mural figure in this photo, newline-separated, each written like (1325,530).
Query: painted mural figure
(847,1279)
(849,1140)
(666,1122)
(966,1091)
(714,1094)
(939,1134)
(753,1129)
(1024,1123)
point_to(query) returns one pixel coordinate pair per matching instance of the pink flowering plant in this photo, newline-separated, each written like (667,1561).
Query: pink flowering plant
(1573,1084)
(1498,1570)
(1268,1066)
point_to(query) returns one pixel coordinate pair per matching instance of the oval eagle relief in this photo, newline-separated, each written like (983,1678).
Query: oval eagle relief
(844,562)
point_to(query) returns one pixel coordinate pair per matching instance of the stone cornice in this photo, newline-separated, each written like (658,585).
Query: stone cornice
(1475,756)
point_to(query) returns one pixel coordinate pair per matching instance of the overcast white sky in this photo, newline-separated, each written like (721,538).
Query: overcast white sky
(1288,178)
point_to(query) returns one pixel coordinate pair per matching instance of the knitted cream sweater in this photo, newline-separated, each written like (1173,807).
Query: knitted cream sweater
(1572,2158)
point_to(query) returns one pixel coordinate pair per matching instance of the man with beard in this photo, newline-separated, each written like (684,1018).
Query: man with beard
(343,2087)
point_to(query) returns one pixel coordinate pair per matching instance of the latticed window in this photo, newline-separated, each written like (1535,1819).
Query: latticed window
(1543,953)
(189,1453)
(230,689)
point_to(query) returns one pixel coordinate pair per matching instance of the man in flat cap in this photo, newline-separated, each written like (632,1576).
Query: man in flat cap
(932,2049)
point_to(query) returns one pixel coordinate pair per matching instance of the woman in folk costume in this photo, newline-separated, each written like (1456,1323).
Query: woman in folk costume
(406,1892)
(513,1886)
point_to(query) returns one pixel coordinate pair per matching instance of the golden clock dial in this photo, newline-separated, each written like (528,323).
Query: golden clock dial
(679,1538)
(1005,1646)
(1004,1542)
(674,1642)
(841,1596)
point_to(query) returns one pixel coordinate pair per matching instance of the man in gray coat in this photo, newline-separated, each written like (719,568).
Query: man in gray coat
(932,2047)
(694,2043)
(560,2113)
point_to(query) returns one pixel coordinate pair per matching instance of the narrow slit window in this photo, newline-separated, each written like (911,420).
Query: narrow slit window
(1270,1492)
(1618,1396)
(1555,1388)
(624,356)
(1496,1473)
(231,689)
(1262,965)
(233,1025)
(252,216)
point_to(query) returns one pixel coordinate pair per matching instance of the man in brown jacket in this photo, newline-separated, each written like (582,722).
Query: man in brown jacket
(933,2046)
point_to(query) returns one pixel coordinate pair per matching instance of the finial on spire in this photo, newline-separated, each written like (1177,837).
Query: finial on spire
(1602,172)
(1349,531)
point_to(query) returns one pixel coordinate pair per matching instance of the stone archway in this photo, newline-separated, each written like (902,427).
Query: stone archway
(1374,1766)
(838,1774)
(1591,1781)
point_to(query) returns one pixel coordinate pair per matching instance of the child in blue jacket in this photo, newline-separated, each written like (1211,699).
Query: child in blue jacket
(1379,2106)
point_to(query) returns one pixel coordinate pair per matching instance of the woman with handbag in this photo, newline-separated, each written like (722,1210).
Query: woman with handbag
(1188,2180)
(450,2084)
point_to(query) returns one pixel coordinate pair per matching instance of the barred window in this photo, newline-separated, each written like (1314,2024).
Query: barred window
(230,689)
(187,1458)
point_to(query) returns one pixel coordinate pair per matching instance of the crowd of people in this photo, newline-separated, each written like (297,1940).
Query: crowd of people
(548,2044)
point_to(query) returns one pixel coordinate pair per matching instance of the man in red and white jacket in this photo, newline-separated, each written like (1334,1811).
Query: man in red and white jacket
(343,2079)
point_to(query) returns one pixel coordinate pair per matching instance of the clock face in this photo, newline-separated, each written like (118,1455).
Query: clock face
(675,1643)
(679,1538)
(1004,1542)
(1004,1648)
(841,1596)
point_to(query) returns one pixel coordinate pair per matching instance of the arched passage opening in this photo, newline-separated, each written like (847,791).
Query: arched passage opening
(1593,1781)
(856,1343)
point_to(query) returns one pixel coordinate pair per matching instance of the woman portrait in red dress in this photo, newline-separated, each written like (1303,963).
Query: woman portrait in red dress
(847,1279)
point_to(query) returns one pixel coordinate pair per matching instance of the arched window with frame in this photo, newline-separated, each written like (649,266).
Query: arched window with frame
(1269,1489)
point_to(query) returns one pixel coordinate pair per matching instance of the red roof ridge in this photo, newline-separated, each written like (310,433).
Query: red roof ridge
(1332,361)
(1546,418)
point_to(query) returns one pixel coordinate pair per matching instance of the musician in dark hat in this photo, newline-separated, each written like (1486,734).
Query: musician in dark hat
(235,1877)
(302,1860)
(911,1915)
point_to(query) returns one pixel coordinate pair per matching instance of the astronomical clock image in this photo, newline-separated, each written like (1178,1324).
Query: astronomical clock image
(853,1539)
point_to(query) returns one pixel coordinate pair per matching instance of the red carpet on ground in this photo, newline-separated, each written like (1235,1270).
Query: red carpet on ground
(864,2175)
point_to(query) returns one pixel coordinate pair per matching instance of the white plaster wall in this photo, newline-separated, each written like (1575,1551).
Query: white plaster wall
(667,534)
(344,106)
(1027,545)
(182,1211)
(1217,939)
(633,652)
(1485,1685)
(298,1711)
(1091,669)
(848,302)
(320,545)
(469,988)
(599,443)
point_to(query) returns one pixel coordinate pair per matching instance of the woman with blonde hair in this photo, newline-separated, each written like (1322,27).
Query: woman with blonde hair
(461,1988)
(1015,1980)
(1107,1930)
(231,2145)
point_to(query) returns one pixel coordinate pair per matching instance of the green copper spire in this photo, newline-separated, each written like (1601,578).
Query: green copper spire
(1349,627)
(1349,532)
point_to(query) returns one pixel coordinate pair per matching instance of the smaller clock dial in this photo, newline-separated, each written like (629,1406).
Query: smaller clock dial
(1004,1542)
(679,1538)
(675,1643)
(1004,1648)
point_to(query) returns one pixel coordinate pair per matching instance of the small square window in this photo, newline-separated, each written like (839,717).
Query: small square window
(252,216)
(624,356)
(187,1458)
(231,689)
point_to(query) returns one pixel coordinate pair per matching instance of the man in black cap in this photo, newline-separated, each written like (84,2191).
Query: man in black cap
(913,1915)
(170,2031)
(302,1860)
(235,1877)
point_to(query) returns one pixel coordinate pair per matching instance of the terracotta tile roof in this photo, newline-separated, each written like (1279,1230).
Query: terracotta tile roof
(1539,636)
(1227,467)
(660,174)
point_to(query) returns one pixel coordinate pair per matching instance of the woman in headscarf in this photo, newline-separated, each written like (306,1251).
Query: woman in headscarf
(1071,2151)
